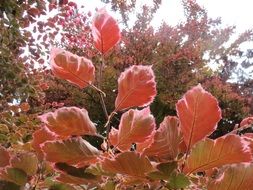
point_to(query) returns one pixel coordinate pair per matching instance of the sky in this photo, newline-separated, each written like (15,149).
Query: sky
(232,12)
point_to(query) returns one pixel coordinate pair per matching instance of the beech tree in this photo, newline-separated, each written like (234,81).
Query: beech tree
(113,96)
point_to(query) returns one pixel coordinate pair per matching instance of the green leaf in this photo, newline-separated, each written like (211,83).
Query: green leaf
(164,171)
(53,185)
(4,128)
(26,162)
(178,181)
(3,138)
(14,175)
(6,185)
(167,168)
(110,185)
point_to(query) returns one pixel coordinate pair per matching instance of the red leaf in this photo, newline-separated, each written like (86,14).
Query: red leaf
(77,70)
(105,31)
(71,179)
(166,140)
(24,106)
(69,121)
(39,137)
(135,127)
(4,158)
(33,11)
(249,138)
(128,163)
(209,153)
(198,113)
(75,151)
(246,122)
(136,87)
(237,177)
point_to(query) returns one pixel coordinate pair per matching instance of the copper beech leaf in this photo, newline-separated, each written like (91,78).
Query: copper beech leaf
(68,121)
(249,138)
(236,177)
(73,171)
(128,163)
(246,122)
(74,151)
(105,31)
(25,161)
(198,113)
(4,157)
(207,154)
(39,137)
(68,179)
(135,126)
(77,70)
(136,87)
(165,144)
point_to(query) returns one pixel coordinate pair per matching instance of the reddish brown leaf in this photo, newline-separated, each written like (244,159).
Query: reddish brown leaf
(24,106)
(39,137)
(135,126)
(26,162)
(236,177)
(75,151)
(71,179)
(77,70)
(198,113)
(209,153)
(4,157)
(69,121)
(166,141)
(246,122)
(128,163)
(136,87)
(33,11)
(105,31)
(249,138)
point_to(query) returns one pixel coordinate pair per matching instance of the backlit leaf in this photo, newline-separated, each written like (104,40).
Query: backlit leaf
(68,179)
(68,121)
(209,153)
(105,31)
(246,122)
(77,70)
(25,161)
(136,87)
(75,151)
(166,140)
(236,177)
(198,113)
(39,137)
(4,157)
(135,126)
(128,163)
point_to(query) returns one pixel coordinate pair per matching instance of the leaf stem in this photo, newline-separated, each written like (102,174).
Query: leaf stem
(100,79)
